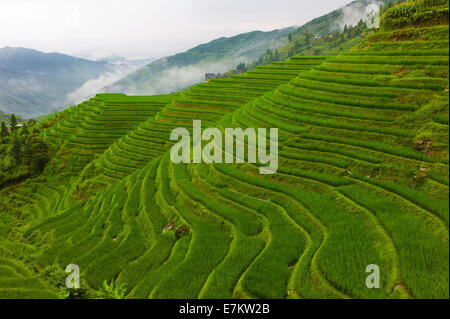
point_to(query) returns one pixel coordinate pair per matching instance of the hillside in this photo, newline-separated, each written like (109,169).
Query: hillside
(362,179)
(336,20)
(182,70)
(33,83)
(173,73)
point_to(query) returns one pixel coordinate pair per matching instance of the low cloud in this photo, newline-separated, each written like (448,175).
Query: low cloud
(91,87)
(173,79)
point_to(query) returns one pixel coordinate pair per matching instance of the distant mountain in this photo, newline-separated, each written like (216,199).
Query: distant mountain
(184,69)
(349,14)
(34,83)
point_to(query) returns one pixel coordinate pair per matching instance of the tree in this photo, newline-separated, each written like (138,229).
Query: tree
(15,149)
(309,35)
(28,152)
(361,23)
(241,67)
(13,122)
(290,37)
(4,130)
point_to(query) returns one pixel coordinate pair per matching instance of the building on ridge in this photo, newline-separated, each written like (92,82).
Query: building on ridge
(209,76)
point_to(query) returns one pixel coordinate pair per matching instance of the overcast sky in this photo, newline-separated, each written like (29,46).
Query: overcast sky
(149,28)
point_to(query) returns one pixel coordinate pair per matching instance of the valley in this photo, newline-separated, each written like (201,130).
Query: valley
(362,179)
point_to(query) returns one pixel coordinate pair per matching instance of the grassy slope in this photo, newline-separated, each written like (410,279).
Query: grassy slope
(169,74)
(34,83)
(354,186)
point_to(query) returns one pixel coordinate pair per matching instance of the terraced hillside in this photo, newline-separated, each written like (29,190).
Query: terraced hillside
(207,102)
(363,179)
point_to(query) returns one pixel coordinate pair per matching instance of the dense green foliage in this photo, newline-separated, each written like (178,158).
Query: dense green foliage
(323,25)
(5,117)
(33,83)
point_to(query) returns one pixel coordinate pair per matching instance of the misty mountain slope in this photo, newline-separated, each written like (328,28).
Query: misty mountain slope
(350,14)
(184,69)
(5,117)
(34,83)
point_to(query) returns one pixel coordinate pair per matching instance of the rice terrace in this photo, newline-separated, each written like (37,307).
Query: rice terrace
(357,207)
